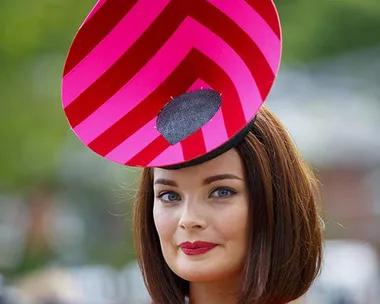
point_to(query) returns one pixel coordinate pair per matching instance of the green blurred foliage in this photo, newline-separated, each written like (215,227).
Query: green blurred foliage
(35,37)
(315,29)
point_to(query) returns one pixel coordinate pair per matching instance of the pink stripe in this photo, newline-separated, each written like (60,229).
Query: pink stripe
(255,26)
(222,54)
(135,143)
(190,34)
(172,155)
(214,132)
(199,84)
(111,48)
(94,10)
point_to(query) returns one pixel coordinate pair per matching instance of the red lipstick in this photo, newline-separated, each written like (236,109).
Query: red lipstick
(196,248)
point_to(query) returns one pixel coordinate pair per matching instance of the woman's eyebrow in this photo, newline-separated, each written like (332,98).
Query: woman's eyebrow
(206,181)
(167,182)
(219,177)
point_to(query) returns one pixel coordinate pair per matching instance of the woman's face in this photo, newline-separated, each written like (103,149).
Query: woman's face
(201,216)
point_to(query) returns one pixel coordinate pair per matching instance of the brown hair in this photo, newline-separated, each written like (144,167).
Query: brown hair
(285,247)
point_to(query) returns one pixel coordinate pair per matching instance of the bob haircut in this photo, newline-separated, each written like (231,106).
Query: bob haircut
(285,249)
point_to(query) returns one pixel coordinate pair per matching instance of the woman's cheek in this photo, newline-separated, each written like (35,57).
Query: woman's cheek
(164,221)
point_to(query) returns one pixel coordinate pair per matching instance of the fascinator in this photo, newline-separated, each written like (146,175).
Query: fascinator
(169,83)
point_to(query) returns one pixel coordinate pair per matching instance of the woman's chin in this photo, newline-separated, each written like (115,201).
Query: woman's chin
(197,276)
(192,273)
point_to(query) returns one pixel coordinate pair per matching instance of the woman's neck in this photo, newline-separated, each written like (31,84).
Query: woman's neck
(225,292)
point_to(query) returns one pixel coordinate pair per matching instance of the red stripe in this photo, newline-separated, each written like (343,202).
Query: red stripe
(96,29)
(195,65)
(193,146)
(267,10)
(234,36)
(149,153)
(129,64)
(177,83)
(232,111)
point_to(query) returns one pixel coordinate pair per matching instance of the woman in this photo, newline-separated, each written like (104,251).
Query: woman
(256,212)
(226,211)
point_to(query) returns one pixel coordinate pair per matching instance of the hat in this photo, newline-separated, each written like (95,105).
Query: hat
(158,83)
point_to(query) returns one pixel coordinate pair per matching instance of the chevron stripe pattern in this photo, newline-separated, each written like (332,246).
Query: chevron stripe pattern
(130,58)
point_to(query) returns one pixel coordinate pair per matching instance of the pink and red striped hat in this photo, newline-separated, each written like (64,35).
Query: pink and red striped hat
(157,83)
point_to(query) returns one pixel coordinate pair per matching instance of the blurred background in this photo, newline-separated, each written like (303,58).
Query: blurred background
(65,213)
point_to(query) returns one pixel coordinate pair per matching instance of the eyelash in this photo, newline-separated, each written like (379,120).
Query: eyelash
(231,193)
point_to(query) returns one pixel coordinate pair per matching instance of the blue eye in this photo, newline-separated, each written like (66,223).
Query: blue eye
(168,196)
(222,192)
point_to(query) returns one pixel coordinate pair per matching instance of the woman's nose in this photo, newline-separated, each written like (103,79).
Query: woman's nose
(192,216)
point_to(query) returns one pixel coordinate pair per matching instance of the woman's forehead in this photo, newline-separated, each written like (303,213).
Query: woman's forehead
(226,163)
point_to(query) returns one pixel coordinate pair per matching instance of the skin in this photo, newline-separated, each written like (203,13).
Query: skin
(209,203)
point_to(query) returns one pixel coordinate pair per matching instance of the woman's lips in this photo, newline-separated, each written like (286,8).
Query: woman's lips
(197,247)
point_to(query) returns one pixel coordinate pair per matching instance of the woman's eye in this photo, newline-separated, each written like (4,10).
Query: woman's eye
(223,192)
(169,196)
